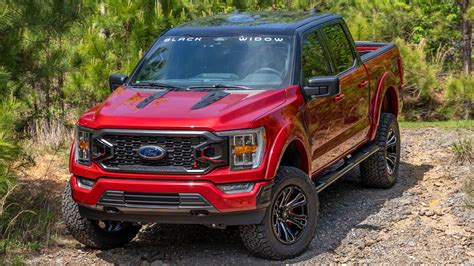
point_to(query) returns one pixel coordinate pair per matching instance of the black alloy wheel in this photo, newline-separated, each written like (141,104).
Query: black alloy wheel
(290,215)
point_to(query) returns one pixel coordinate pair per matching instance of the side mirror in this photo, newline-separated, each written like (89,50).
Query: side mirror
(115,80)
(322,87)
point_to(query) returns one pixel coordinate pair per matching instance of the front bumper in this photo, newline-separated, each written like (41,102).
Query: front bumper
(231,218)
(200,202)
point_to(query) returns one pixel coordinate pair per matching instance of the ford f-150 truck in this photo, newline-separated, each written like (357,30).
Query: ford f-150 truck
(236,119)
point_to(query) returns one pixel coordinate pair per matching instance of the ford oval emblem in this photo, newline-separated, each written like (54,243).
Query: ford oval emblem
(151,153)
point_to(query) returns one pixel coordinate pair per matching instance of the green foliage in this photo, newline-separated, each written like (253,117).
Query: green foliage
(112,40)
(8,147)
(466,124)
(71,47)
(56,56)
(470,13)
(420,76)
(421,81)
(459,97)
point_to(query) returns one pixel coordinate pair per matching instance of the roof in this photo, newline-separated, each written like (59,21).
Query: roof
(237,23)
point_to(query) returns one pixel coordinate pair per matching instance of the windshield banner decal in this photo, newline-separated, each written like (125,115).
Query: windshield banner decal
(183,39)
(260,39)
(219,39)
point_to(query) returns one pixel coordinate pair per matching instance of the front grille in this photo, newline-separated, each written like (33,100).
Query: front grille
(153,200)
(179,153)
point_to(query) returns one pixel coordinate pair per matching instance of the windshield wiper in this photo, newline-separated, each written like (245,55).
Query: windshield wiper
(221,86)
(157,85)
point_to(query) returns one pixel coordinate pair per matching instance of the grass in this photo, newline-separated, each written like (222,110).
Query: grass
(467,124)
(28,222)
(462,151)
(30,211)
(468,188)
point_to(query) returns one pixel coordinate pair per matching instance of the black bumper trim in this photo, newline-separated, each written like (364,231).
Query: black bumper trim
(231,218)
(264,196)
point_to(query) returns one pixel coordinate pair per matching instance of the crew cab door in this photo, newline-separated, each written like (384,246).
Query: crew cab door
(324,118)
(337,122)
(353,100)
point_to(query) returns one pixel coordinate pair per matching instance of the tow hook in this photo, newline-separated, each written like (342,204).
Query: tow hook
(111,210)
(216,226)
(199,213)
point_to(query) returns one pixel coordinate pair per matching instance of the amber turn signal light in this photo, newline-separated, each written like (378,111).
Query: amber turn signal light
(245,149)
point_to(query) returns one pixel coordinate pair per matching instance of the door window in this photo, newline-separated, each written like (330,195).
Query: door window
(313,59)
(339,47)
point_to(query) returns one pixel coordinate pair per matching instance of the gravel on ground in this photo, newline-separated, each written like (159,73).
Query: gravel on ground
(422,219)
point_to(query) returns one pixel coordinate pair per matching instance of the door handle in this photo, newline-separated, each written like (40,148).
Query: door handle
(363,83)
(339,97)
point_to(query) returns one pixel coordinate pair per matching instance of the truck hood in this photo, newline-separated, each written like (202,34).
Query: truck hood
(174,110)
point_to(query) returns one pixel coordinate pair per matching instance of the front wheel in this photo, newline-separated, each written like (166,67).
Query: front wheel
(92,233)
(290,220)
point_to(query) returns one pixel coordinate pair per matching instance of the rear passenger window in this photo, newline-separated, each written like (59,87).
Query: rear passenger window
(313,61)
(339,47)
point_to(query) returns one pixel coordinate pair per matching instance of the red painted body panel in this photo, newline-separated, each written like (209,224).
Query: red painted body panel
(338,126)
(173,110)
(222,202)
(323,130)
(386,74)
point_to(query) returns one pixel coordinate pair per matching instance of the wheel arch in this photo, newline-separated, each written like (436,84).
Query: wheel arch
(289,149)
(386,99)
(295,156)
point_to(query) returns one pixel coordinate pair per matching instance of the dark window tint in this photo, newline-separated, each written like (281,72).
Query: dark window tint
(313,61)
(339,47)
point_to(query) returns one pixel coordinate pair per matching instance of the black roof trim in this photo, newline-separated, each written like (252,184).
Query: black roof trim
(252,23)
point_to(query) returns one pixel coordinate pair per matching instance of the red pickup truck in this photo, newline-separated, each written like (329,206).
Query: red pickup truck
(236,119)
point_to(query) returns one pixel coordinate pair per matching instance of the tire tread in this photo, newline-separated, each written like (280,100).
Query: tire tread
(84,231)
(373,169)
(257,240)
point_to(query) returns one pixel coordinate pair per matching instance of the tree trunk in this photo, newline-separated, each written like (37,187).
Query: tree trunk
(466,31)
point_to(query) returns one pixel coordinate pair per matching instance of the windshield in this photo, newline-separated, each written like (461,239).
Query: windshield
(262,62)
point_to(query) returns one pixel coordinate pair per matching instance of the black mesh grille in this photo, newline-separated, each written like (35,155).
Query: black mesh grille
(164,200)
(157,199)
(179,153)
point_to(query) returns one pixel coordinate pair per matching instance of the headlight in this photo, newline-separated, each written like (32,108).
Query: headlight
(83,145)
(246,147)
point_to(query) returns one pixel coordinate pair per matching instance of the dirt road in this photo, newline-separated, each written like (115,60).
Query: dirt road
(423,218)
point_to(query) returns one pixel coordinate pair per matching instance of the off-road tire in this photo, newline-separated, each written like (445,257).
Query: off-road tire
(374,171)
(261,240)
(88,232)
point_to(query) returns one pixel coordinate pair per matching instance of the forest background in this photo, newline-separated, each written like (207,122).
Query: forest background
(56,56)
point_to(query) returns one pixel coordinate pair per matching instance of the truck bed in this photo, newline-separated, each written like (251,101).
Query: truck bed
(380,58)
(370,50)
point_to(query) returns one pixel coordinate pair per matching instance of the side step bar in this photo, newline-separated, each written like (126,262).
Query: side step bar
(327,179)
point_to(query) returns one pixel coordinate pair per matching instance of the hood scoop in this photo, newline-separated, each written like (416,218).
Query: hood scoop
(209,99)
(151,98)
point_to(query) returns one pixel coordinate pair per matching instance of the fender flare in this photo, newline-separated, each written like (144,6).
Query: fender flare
(287,135)
(387,84)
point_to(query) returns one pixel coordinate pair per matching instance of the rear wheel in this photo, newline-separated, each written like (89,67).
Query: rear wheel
(92,233)
(290,221)
(381,169)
